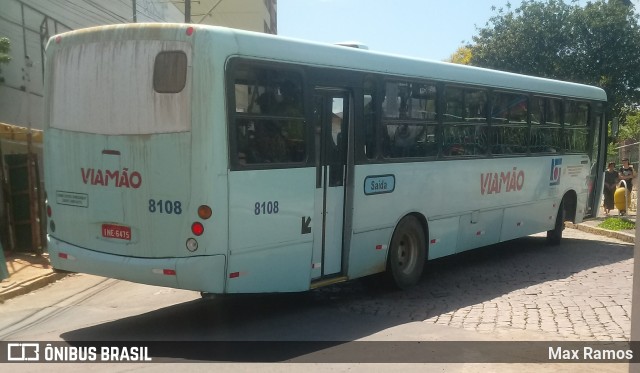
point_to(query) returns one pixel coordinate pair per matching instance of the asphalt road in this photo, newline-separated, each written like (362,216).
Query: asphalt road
(521,290)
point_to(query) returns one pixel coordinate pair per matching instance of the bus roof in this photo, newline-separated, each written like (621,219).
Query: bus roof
(235,42)
(294,50)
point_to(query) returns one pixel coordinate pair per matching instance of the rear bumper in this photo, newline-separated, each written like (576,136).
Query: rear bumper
(201,273)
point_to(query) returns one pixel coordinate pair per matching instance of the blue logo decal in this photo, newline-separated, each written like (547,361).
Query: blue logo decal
(556,171)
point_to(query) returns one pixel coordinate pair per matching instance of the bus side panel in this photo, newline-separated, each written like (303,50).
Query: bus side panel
(479,229)
(520,221)
(368,252)
(443,237)
(375,215)
(269,246)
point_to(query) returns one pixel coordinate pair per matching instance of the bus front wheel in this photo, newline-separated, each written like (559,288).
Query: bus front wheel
(406,258)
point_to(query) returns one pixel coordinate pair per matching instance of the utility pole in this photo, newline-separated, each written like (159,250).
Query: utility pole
(187,11)
(135,11)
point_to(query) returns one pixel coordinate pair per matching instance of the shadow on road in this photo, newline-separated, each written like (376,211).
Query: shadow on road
(354,310)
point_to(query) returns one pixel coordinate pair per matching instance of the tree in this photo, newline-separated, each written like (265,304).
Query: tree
(461,56)
(5,46)
(631,129)
(597,44)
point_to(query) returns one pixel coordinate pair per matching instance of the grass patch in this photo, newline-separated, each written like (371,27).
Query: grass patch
(617,224)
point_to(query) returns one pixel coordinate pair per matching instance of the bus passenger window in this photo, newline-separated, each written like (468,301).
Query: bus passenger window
(576,130)
(268,117)
(465,122)
(546,131)
(409,120)
(509,132)
(369,118)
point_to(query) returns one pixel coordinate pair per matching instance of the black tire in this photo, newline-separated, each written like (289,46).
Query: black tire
(406,258)
(554,236)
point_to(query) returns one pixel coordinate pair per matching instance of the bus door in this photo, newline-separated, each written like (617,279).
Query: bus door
(331,126)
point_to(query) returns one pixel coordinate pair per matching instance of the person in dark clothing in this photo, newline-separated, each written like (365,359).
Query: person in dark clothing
(627,173)
(610,182)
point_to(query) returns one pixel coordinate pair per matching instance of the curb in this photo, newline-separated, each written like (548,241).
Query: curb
(622,236)
(30,285)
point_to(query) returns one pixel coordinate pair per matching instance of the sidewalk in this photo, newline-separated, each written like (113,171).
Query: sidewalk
(591,226)
(29,272)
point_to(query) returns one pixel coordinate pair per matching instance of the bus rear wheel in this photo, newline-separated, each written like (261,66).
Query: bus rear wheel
(406,258)
(554,236)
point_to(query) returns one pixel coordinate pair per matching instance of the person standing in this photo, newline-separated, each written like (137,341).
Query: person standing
(627,173)
(611,178)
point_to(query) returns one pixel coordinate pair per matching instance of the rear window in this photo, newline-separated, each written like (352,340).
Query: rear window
(122,87)
(170,72)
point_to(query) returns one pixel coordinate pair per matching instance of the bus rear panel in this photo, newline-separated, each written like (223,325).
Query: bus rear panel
(119,154)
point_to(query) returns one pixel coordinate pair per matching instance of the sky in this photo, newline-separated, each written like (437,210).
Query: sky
(431,29)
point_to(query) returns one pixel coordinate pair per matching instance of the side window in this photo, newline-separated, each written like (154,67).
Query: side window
(369,118)
(170,72)
(465,122)
(268,118)
(409,120)
(546,130)
(509,131)
(576,126)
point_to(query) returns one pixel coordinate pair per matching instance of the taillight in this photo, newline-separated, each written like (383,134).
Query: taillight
(204,212)
(197,228)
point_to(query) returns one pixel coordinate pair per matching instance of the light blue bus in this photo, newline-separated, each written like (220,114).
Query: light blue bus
(225,161)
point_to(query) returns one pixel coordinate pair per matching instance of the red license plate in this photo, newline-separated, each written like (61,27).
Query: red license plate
(116,231)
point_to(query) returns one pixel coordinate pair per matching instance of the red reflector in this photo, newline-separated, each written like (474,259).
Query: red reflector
(378,247)
(49,211)
(62,255)
(234,275)
(58,38)
(169,272)
(189,31)
(197,228)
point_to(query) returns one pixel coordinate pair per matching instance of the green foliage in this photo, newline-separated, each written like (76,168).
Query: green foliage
(461,56)
(617,224)
(628,132)
(598,44)
(5,47)
(631,128)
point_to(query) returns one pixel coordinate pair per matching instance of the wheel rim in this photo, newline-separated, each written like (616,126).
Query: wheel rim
(406,255)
